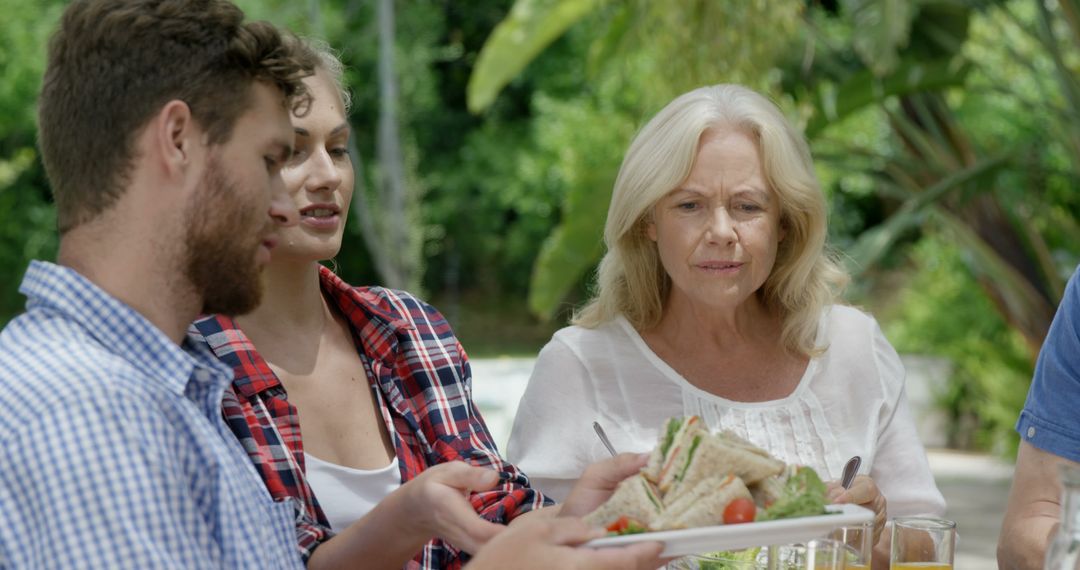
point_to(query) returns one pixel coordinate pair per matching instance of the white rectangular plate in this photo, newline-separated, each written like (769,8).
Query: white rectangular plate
(746,535)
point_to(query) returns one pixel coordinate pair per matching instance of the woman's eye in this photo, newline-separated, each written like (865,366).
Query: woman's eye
(748,208)
(298,155)
(687,206)
(339,152)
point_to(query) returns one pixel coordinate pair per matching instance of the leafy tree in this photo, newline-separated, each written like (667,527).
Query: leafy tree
(931,133)
(990,358)
(646,53)
(27,217)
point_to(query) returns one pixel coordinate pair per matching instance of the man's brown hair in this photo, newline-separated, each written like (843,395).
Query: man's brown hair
(114,63)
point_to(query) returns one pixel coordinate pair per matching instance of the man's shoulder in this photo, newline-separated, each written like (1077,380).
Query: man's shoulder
(53,342)
(49,362)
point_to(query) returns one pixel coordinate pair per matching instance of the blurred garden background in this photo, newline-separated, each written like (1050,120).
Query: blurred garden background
(489,132)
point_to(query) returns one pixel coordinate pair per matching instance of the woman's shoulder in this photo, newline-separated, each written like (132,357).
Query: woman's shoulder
(858,347)
(848,316)
(584,340)
(601,350)
(394,301)
(394,306)
(848,327)
(577,333)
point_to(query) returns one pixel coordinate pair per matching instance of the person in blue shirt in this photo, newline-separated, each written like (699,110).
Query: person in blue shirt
(1049,428)
(163,128)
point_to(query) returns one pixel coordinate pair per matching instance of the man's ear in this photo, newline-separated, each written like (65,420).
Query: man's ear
(176,137)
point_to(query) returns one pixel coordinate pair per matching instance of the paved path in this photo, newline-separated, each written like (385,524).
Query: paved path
(975,486)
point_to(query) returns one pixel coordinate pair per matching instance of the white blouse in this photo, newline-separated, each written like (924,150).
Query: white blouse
(850,401)
(346,494)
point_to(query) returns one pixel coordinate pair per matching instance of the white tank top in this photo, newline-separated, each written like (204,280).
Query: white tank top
(346,494)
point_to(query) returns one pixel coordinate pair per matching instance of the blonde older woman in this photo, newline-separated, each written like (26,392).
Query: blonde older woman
(717,297)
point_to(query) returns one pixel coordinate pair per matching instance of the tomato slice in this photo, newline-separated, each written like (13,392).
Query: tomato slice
(619,525)
(741,510)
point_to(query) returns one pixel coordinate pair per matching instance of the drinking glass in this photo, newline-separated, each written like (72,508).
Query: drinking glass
(922,544)
(1064,550)
(859,539)
(825,554)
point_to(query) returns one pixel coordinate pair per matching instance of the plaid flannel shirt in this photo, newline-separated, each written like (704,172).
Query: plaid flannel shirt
(424,391)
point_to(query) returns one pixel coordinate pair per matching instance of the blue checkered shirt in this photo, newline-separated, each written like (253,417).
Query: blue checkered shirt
(113,450)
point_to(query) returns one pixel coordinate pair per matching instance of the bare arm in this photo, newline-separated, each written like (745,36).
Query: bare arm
(1033,511)
(594,487)
(432,505)
(539,543)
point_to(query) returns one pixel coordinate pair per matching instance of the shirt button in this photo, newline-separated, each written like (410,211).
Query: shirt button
(1031,432)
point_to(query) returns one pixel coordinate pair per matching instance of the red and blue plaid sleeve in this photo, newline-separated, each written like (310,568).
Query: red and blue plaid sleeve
(427,380)
(259,414)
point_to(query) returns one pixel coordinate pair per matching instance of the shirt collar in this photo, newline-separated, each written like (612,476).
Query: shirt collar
(376,326)
(251,373)
(121,329)
(376,323)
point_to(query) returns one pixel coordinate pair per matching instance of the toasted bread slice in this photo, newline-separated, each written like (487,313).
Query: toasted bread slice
(635,497)
(720,454)
(676,432)
(704,504)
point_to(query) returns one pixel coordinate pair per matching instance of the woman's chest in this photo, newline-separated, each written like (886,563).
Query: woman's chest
(742,377)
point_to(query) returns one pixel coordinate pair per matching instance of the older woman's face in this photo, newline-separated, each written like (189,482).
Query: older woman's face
(718,232)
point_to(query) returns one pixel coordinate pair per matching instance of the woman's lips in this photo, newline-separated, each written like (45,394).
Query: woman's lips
(720,267)
(321,216)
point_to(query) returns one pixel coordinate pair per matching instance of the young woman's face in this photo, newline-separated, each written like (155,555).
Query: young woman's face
(319,175)
(717,233)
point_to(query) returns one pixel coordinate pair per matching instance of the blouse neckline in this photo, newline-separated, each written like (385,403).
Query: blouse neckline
(331,466)
(671,374)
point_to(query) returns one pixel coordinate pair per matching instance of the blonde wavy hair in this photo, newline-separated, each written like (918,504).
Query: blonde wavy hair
(328,60)
(631,280)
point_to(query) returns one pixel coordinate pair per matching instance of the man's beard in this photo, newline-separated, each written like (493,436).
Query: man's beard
(221,244)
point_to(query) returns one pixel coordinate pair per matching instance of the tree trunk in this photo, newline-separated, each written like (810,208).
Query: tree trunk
(391,163)
(384,218)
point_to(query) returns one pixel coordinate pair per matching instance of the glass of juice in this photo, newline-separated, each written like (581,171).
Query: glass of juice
(859,539)
(923,544)
(825,554)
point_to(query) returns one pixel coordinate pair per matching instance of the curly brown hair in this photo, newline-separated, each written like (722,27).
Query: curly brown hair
(113,64)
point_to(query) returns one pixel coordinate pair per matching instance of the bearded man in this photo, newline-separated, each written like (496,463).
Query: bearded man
(163,127)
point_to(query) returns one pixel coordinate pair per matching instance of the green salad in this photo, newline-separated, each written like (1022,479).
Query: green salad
(729,559)
(803,495)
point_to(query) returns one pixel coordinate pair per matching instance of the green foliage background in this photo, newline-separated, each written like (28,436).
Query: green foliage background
(27,224)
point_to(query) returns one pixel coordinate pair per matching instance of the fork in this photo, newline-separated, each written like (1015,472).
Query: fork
(603,438)
(850,469)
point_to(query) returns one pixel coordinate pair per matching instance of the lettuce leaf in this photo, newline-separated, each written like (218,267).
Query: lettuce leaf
(729,559)
(803,496)
(673,426)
